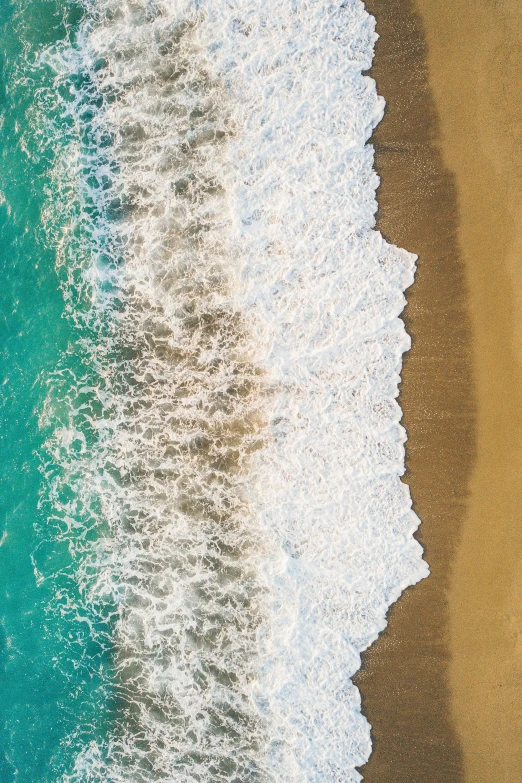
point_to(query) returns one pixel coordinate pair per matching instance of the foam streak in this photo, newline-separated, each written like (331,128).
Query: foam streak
(235,438)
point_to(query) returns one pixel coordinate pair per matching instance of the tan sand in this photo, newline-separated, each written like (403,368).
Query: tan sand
(405,679)
(443,687)
(475,69)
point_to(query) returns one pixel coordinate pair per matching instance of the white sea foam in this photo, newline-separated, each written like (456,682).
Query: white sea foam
(231,433)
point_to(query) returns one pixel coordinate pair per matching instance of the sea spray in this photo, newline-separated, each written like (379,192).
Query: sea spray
(226,452)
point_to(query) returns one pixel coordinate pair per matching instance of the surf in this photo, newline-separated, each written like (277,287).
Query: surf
(223,442)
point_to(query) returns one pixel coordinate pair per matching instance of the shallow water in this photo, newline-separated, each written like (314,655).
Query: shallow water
(47,696)
(204,355)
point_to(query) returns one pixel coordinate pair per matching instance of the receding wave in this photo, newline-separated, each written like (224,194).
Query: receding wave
(224,451)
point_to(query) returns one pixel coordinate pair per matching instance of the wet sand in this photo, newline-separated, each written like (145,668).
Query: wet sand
(443,686)
(405,676)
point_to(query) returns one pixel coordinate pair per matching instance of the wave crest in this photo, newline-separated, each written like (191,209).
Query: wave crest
(226,452)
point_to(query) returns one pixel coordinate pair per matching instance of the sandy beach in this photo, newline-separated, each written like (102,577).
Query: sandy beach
(475,74)
(443,686)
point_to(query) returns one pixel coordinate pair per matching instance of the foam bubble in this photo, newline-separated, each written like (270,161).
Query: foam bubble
(226,451)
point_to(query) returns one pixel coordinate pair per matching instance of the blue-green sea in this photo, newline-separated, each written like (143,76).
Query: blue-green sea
(118,466)
(52,704)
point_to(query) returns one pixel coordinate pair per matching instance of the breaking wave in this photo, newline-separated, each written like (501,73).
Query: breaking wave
(224,451)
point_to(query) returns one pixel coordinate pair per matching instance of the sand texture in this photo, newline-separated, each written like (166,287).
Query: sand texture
(442,687)
(405,676)
(475,76)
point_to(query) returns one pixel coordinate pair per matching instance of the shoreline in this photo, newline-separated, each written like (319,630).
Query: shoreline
(405,677)
(442,685)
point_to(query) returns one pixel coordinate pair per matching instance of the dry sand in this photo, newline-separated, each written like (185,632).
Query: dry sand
(443,686)
(475,68)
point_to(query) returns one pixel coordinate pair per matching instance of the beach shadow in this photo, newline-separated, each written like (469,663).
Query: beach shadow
(404,677)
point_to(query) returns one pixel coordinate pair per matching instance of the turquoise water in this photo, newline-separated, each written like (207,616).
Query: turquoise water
(86,509)
(50,698)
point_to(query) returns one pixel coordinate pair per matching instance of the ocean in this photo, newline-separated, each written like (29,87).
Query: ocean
(203,520)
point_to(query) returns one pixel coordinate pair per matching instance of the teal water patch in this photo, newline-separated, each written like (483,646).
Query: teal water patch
(53,694)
